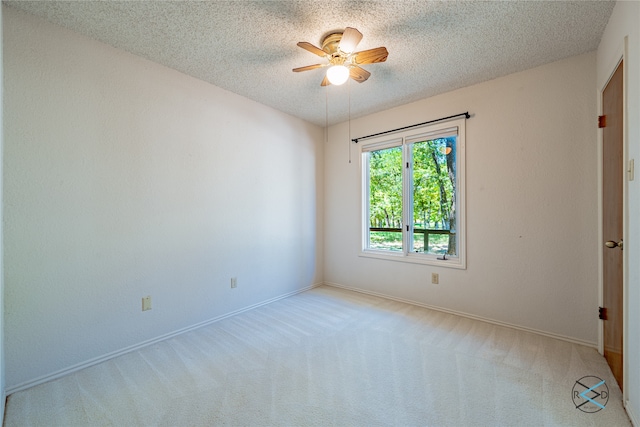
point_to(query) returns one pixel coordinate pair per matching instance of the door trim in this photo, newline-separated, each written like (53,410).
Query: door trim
(621,55)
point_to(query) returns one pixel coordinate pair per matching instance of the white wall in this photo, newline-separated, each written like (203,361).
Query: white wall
(2,374)
(531,204)
(123,179)
(624,24)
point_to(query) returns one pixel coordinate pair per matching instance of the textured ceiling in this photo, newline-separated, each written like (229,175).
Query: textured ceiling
(249,47)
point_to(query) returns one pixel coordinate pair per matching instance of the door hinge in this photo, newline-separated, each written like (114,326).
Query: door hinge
(602,313)
(602,121)
(407,228)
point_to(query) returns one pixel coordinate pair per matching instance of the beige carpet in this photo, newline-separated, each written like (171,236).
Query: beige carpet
(331,357)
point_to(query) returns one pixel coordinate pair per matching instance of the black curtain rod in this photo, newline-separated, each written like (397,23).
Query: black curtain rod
(412,126)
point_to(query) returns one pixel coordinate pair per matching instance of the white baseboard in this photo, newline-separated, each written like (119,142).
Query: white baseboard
(632,414)
(469,316)
(77,367)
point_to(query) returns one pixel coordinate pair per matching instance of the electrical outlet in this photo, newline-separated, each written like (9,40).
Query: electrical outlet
(146,303)
(435,278)
(234,282)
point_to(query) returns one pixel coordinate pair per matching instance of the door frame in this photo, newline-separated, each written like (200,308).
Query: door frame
(621,55)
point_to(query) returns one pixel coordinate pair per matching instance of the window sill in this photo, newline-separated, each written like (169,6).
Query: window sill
(414,259)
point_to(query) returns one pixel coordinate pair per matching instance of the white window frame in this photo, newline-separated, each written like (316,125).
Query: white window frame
(404,139)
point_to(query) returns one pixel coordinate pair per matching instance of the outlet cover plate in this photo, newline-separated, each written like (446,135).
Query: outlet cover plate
(146,303)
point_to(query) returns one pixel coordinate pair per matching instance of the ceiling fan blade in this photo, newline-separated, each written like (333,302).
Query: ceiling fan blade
(313,49)
(307,68)
(350,39)
(378,54)
(359,74)
(325,81)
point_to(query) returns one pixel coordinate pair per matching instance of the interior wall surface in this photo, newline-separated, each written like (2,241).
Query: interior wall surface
(2,371)
(531,203)
(125,179)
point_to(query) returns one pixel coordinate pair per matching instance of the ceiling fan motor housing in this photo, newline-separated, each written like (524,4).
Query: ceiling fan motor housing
(331,42)
(331,45)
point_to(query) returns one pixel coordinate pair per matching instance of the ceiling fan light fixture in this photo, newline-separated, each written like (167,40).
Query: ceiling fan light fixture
(337,74)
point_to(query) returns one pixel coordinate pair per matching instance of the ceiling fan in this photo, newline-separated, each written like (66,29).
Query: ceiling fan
(338,49)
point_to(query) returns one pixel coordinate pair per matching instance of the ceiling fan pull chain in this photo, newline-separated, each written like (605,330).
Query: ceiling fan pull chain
(349,140)
(326,114)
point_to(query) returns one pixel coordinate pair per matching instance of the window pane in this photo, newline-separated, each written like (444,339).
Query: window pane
(434,196)
(385,199)
(413,196)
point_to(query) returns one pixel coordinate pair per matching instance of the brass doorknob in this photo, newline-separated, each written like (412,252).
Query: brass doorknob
(611,244)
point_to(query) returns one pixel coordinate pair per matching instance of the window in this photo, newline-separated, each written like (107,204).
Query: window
(413,196)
